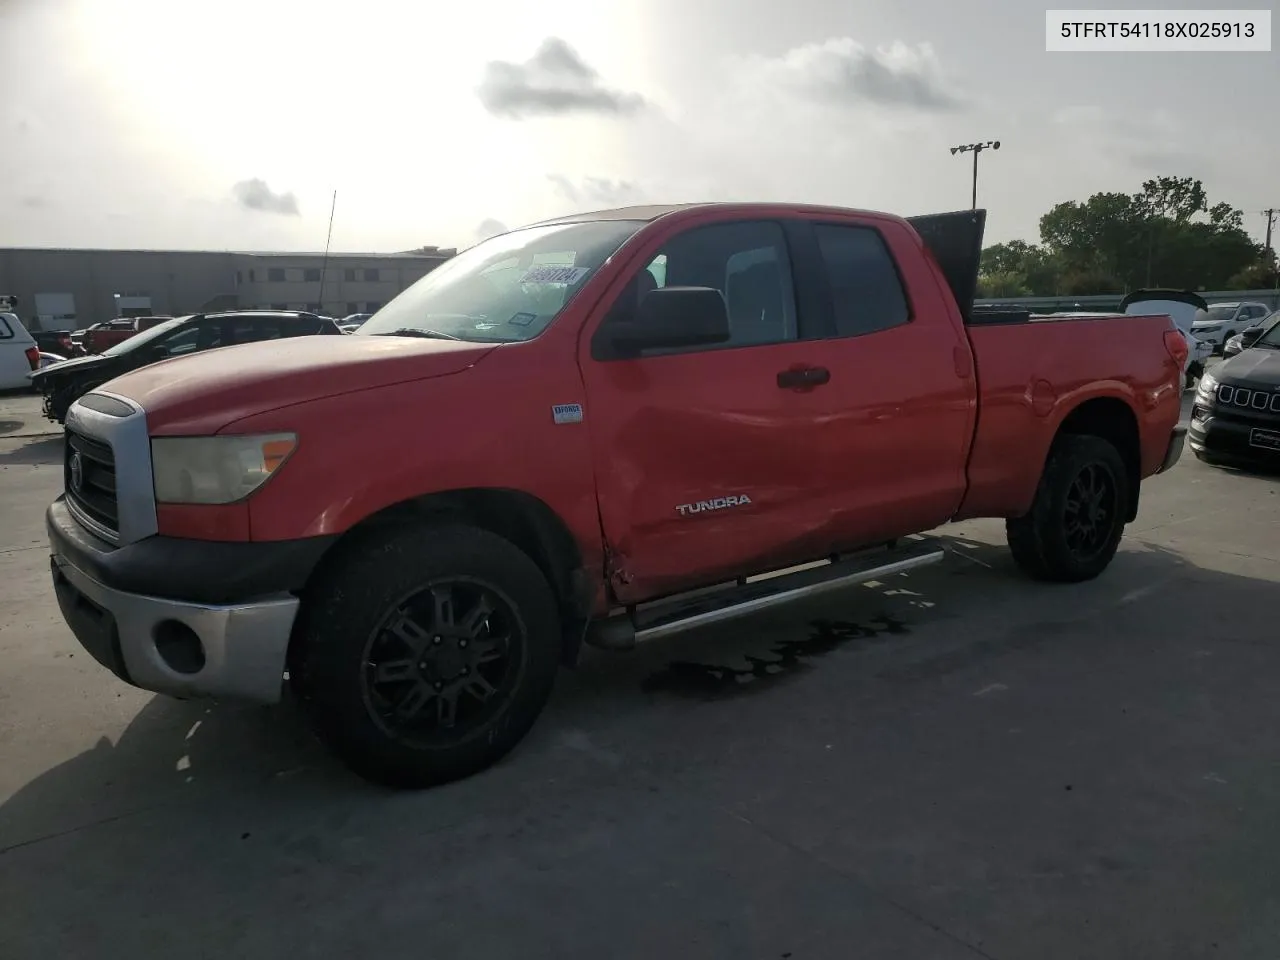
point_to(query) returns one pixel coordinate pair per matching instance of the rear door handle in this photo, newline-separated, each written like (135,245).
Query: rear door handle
(803,378)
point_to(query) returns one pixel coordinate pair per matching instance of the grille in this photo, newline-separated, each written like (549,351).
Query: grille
(89,477)
(1243,398)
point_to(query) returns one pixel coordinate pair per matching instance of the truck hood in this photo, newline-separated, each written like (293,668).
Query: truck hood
(1255,367)
(202,393)
(74,367)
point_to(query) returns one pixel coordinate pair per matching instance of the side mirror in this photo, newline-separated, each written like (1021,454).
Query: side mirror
(674,317)
(1249,337)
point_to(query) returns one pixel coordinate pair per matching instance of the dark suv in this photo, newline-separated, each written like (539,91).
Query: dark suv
(64,383)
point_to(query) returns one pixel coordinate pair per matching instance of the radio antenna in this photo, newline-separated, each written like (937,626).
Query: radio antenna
(324,263)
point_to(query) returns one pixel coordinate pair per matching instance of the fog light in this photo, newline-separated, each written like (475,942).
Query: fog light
(179,646)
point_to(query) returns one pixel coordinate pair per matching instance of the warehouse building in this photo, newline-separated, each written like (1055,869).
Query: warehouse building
(66,289)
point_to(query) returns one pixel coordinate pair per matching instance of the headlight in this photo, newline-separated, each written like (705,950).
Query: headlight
(216,469)
(1208,385)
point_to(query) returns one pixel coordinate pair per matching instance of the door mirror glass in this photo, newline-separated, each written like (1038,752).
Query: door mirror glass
(674,317)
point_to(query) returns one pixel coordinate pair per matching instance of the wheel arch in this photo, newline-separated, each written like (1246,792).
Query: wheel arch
(1114,420)
(515,515)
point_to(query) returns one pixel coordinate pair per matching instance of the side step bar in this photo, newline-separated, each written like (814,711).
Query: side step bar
(663,618)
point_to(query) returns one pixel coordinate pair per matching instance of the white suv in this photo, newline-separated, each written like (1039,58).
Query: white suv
(1224,320)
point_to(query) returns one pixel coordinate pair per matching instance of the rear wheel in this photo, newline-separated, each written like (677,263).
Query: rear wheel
(1078,516)
(424,656)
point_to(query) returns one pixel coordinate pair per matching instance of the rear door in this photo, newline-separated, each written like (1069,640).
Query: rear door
(704,464)
(899,409)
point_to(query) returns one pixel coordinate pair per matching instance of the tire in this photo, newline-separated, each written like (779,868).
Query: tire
(1042,542)
(376,643)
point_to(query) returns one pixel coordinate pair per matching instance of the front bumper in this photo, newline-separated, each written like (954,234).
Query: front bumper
(227,637)
(1233,441)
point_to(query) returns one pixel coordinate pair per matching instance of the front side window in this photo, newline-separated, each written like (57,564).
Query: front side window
(506,289)
(866,292)
(1270,334)
(746,261)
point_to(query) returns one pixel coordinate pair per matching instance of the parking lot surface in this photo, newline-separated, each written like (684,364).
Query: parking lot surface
(957,763)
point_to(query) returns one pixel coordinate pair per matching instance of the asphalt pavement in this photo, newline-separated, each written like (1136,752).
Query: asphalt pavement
(955,763)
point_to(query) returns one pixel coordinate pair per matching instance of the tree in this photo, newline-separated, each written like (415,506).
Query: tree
(1165,235)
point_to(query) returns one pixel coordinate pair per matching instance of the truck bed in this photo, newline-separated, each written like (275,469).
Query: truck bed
(1029,373)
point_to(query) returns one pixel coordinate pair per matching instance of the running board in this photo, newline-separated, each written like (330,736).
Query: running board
(664,618)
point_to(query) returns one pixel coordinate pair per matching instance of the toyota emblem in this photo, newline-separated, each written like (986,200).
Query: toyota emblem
(76,469)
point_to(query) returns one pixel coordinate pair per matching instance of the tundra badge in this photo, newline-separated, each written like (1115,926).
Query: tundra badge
(719,503)
(567,413)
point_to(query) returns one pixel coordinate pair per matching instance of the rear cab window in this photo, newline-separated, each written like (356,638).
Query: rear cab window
(867,293)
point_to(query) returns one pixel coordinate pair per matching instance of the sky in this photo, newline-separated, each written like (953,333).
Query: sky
(189,124)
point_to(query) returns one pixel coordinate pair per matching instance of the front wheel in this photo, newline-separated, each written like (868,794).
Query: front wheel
(1079,513)
(424,656)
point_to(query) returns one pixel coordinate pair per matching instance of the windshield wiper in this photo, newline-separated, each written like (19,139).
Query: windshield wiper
(415,332)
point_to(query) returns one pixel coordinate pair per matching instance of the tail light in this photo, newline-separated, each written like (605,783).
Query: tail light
(33,357)
(1177,346)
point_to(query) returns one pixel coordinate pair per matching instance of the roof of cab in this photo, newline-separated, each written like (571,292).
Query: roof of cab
(652,212)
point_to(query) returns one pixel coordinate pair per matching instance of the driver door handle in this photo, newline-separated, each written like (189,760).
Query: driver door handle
(803,378)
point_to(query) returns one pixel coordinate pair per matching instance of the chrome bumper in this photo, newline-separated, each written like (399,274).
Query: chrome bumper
(176,648)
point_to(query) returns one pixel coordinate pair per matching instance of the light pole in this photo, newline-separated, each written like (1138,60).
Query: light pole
(975,149)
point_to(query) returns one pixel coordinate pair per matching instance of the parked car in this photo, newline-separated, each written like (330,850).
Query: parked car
(67,382)
(1186,308)
(99,337)
(352,321)
(49,359)
(560,437)
(1235,420)
(19,354)
(1222,321)
(54,341)
(1248,335)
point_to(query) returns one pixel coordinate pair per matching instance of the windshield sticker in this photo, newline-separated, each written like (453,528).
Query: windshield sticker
(523,319)
(549,273)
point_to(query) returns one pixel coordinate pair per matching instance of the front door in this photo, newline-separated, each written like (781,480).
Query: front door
(702,461)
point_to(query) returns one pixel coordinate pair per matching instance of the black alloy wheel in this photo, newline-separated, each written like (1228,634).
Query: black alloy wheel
(1081,506)
(1092,504)
(443,662)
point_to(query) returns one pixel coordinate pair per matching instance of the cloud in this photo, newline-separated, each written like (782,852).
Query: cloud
(842,72)
(596,192)
(490,228)
(1151,141)
(553,82)
(256,195)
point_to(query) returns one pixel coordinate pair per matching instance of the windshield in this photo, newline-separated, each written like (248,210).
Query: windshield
(505,289)
(141,339)
(1218,314)
(1270,335)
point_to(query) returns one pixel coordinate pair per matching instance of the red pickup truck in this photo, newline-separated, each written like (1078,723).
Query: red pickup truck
(566,434)
(103,336)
